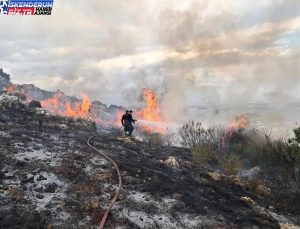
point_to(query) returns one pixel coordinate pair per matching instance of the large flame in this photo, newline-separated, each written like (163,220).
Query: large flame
(151,112)
(78,109)
(52,104)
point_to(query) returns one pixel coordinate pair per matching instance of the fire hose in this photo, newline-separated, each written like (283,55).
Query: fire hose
(117,192)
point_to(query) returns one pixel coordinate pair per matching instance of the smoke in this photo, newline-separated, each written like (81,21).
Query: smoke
(189,52)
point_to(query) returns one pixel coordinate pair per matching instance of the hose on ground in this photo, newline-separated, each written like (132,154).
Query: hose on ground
(117,192)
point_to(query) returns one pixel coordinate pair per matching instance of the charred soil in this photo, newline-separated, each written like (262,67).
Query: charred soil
(50,178)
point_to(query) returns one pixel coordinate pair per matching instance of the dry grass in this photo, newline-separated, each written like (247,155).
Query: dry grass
(253,185)
(230,164)
(156,138)
(202,154)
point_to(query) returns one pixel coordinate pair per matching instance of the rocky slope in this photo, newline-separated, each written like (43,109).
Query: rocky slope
(50,178)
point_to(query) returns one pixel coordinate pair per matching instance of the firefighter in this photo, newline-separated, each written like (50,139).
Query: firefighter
(37,112)
(130,117)
(127,122)
(124,117)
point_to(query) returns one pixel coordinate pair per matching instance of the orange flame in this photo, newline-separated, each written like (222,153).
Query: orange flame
(240,122)
(78,110)
(81,109)
(151,112)
(52,104)
(119,117)
(13,88)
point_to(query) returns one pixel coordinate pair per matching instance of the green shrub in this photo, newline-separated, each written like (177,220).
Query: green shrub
(202,154)
(230,164)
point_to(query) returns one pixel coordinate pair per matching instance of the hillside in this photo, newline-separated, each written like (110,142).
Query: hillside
(50,177)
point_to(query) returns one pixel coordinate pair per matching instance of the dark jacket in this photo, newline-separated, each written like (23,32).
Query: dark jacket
(127,118)
(130,119)
(124,117)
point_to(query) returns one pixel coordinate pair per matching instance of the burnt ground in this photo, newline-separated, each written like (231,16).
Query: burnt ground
(50,178)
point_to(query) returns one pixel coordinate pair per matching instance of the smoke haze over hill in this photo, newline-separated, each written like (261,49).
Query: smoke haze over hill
(189,52)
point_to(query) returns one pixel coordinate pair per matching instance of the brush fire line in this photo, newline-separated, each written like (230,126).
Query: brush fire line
(149,115)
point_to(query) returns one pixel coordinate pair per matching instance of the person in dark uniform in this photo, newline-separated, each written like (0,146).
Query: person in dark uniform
(124,117)
(127,122)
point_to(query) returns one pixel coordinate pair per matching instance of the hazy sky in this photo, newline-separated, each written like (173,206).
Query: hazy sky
(190,52)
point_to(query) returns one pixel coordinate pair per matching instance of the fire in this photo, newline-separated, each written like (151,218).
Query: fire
(151,112)
(80,109)
(119,117)
(52,104)
(240,122)
(55,105)
(58,104)
(13,88)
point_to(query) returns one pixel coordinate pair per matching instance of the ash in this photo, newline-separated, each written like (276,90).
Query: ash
(50,178)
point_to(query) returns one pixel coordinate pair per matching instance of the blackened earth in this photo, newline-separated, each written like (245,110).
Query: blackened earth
(50,178)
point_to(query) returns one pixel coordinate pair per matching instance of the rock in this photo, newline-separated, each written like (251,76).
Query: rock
(40,178)
(215,176)
(171,162)
(288,226)
(262,212)
(34,104)
(93,204)
(36,170)
(263,190)
(39,196)
(29,178)
(50,187)
(63,126)
(248,201)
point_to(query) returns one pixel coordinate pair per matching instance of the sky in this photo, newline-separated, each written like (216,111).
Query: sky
(191,52)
